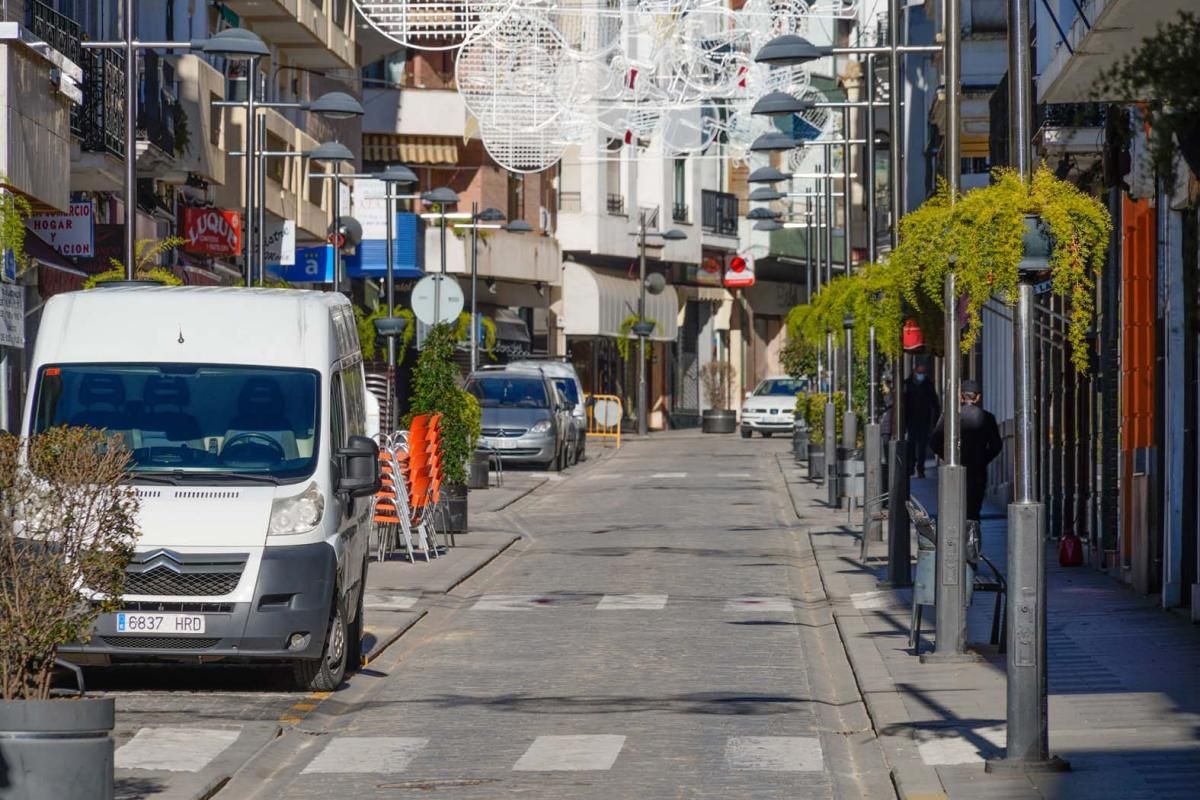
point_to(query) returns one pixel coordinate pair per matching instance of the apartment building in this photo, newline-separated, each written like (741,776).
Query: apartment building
(64,106)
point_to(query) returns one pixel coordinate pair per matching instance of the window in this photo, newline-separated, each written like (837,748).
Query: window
(516,196)
(509,392)
(191,421)
(337,411)
(978,165)
(316,184)
(681,195)
(616,197)
(275,167)
(780,388)
(216,117)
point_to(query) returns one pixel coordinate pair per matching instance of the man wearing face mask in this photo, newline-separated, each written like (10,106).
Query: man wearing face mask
(921,410)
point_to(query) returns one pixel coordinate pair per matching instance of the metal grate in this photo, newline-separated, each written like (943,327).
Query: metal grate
(160,642)
(504,433)
(168,582)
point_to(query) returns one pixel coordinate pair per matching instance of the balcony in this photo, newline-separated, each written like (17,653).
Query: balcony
(414,112)
(1075,128)
(99,122)
(312,33)
(681,213)
(719,213)
(616,204)
(157,111)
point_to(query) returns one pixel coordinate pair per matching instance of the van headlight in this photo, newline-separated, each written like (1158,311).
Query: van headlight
(540,427)
(297,514)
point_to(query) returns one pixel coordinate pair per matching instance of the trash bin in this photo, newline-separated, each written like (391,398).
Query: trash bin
(851,472)
(816,462)
(800,443)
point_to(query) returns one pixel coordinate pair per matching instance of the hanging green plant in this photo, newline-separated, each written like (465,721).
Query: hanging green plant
(625,337)
(145,268)
(462,330)
(368,339)
(14,210)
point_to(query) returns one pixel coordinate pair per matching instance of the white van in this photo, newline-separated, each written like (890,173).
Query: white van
(245,411)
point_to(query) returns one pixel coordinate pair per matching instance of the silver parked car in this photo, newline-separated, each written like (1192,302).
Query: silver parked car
(567,380)
(526,419)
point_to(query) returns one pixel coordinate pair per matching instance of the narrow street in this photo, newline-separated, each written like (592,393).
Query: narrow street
(653,634)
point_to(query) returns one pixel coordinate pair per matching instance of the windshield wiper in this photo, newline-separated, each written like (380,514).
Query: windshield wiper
(153,477)
(252,477)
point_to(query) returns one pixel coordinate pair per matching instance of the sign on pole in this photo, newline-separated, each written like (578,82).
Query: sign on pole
(12,315)
(449,297)
(72,234)
(280,244)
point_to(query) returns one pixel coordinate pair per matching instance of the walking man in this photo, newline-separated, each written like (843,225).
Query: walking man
(921,410)
(979,444)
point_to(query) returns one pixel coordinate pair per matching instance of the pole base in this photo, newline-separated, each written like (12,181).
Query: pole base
(968,657)
(1016,765)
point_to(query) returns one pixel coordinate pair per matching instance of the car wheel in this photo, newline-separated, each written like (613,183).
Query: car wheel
(766,434)
(574,453)
(325,674)
(747,433)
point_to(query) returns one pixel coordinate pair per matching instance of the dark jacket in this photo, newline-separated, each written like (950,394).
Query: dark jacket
(978,446)
(921,405)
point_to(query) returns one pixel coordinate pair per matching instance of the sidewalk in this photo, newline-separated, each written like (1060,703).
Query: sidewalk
(1124,703)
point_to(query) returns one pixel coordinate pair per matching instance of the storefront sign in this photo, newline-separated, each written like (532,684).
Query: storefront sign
(212,231)
(12,315)
(280,244)
(740,272)
(709,272)
(72,234)
(313,265)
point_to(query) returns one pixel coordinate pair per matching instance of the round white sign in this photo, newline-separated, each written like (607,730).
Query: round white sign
(437,298)
(607,413)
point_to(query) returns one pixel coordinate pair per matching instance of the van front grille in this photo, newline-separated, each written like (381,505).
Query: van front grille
(167,582)
(160,642)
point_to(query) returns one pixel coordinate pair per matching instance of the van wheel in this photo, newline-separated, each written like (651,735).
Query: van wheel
(354,634)
(325,674)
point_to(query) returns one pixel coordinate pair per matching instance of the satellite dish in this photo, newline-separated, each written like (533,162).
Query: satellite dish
(655,283)
(437,298)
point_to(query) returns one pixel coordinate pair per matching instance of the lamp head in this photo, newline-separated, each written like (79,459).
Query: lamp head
(790,49)
(335,105)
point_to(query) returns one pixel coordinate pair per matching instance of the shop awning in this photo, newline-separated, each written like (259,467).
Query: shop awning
(595,304)
(55,273)
(395,147)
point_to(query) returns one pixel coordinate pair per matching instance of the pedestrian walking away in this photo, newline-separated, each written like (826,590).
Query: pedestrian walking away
(921,410)
(978,445)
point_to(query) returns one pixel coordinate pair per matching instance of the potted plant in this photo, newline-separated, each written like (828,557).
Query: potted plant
(718,418)
(67,530)
(437,389)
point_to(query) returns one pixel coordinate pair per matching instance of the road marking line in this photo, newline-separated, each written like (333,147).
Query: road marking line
(669,475)
(304,706)
(775,753)
(733,475)
(389,602)
(290,719)
(509,602)
(570,753)
(602,475)
(759,604)
(630,602)
(954,748)
(174,749)
(366,754)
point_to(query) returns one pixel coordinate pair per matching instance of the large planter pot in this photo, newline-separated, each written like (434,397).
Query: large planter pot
(454,495)
(718,421)
(477,471)
(56,748)
(800,444)
(816,462)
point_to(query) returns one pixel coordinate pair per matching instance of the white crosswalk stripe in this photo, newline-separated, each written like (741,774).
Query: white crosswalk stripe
(629,602)
(357,754)
(571,753)
(509,602)
(774,753)
(759,604)
(733,475)
(669,475)
(174,749)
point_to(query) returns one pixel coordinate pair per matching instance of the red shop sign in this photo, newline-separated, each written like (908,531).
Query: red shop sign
(212,231)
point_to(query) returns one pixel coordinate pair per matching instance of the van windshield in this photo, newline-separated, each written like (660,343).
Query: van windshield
(191,421)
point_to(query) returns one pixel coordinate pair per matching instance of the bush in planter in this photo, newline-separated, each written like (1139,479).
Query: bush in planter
(146,253)
(436,389)
(67,530)
(716,377)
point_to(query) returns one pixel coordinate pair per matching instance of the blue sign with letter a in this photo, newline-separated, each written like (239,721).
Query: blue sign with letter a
(313,265)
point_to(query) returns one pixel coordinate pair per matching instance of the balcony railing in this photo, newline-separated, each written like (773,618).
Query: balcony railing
(55,29)
(570,201)
(156,105)
(616,204)
(100,121)
(1069,115)
(680,212)
(719,212)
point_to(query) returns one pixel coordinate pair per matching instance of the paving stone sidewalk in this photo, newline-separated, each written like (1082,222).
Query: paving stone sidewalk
(1124,706)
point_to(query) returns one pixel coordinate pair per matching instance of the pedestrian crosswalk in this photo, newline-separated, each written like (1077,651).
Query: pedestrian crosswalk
(174,749)
(626,602)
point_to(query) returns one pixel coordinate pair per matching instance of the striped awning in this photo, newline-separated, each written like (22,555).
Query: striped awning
(399,148)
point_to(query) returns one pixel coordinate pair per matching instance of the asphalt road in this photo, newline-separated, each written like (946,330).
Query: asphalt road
(658,632)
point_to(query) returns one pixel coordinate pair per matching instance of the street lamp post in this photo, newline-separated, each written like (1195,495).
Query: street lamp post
(643,328)
(488,218)
(393,176)
(443,196)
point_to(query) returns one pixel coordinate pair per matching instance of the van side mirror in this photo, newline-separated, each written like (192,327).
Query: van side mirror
(359,467)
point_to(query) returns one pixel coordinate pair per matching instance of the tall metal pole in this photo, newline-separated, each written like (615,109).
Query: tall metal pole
(872,446)
(809,220)
(131,94)
(831,213)
(437,286)
(390,289)
(899,571)
(831,483)
(251,147)
(643,425)
(1028,746)
(849,421)
(951,589)
(260,201)
(474,281)
(337,226)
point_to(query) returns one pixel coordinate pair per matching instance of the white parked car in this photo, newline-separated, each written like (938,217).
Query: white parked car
(770,408)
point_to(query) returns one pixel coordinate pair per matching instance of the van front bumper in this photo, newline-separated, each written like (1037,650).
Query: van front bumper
(291,596)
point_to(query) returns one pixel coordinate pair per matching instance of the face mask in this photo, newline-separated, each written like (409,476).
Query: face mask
(920,377)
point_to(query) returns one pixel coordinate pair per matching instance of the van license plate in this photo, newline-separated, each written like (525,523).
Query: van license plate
(166,624)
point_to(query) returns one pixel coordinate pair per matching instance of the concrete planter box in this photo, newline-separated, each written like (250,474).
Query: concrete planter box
(56,748)
(816,462)
(718,421)
(800,444)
